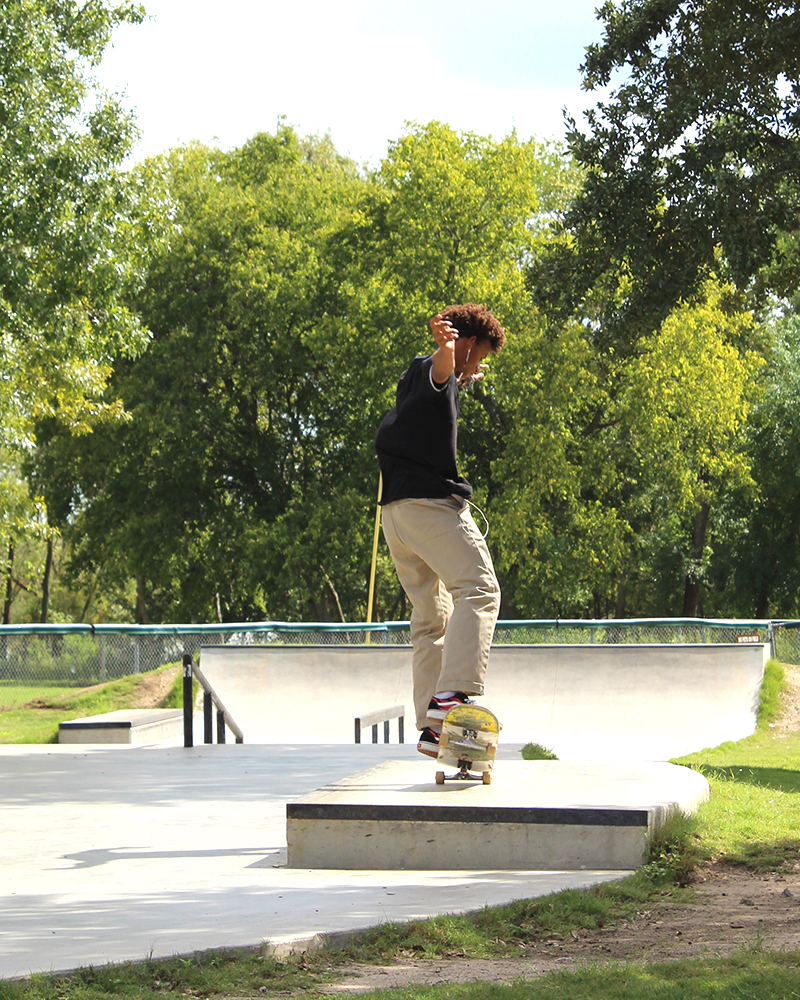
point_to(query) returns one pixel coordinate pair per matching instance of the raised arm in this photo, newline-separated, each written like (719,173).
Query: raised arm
(444,357)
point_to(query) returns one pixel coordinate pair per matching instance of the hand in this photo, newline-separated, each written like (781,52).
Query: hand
(476,376)
(444,333)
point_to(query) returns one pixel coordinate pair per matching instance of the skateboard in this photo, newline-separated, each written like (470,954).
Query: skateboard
(468,742)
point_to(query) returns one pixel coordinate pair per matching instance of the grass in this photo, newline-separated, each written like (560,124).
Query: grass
(745,977)
(510,929)
(535,751)
(752,818)
(752,974)
(753,814)
(32,714)
(223,973)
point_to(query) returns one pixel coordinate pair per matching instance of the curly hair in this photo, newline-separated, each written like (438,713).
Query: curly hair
(473,320)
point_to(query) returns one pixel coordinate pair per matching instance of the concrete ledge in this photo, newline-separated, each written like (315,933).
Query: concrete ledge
(546,815)
(133,726)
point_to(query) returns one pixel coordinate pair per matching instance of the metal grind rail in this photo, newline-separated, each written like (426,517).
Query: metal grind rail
(211,700)
(374,719)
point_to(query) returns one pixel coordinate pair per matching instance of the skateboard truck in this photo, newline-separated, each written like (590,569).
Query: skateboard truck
(464,774)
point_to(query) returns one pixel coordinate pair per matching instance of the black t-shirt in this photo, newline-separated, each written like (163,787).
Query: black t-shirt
(416,442)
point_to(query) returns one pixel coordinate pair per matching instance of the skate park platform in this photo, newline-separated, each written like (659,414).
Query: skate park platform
(534,814)
(117,853)
(585,702)
(138,726)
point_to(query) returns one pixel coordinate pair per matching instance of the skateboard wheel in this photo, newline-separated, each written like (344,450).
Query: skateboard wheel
(487,777)
(440,777)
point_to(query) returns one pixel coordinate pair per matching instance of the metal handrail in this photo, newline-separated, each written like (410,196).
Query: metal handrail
(210,696)
(374,719)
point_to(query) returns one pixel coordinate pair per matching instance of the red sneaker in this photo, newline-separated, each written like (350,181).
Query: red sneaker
(428,743)
(439,707)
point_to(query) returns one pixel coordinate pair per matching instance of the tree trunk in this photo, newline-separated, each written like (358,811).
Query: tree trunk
(48,567)
(89,600)
(9,568)
(622,595)
(142,607)
(335,595)
(691,590)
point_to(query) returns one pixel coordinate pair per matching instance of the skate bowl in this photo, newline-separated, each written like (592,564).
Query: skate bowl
(585,702)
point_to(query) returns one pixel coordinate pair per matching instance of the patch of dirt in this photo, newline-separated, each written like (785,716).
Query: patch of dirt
(36,703)
(154,688)
(150,692)
(789,719)
(728,909)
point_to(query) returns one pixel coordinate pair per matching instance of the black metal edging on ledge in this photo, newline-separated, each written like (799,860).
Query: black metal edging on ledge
(469,814)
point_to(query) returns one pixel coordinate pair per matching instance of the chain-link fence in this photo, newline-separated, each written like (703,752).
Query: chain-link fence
(80,655)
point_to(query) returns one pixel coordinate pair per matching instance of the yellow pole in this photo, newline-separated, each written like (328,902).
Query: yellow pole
(374,556)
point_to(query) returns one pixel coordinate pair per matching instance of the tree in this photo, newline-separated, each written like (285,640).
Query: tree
(449,217)
(684,410)
(21,516)
(612,464)
(230,435)
(75,228)
(71,223)
(765,566)
(292,294)
(693,161)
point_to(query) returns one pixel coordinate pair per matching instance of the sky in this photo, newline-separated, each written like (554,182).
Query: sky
(221,70)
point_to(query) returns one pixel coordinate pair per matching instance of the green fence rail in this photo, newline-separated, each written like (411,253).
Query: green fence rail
(80,655)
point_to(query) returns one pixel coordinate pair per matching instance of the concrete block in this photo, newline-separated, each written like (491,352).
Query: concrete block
(133,726)
(536,815)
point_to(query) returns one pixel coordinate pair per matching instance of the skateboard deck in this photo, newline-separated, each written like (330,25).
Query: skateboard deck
(468,742)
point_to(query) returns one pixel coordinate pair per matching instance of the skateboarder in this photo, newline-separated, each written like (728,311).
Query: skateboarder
(441,558)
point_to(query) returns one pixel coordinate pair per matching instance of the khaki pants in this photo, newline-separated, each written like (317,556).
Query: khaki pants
(445,567)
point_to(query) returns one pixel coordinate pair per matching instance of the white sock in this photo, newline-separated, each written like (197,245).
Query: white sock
(444,694)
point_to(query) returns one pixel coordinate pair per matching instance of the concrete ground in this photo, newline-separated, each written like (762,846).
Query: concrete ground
(117,853)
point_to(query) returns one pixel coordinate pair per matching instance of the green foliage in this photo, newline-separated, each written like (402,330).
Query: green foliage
(458,213)
(212,973)
(674,852)
(290,297)
(535,751)
(58,658)
(72,242)
(625,469)
(754,973)
(75,235)
(772,687)
(608,457)
(765,568)
(174,698)
(693,155)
